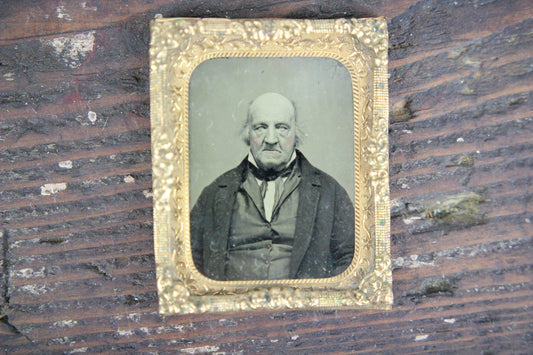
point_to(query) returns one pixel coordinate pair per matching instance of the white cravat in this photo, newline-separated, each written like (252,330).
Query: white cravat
(270,198)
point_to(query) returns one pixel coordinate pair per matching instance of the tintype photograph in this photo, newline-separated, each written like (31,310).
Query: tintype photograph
(274,215)
(269,144)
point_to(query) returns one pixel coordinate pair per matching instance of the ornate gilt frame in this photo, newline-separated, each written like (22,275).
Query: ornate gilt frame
(178,46)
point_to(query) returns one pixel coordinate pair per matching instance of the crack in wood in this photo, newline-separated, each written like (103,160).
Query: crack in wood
(6,264)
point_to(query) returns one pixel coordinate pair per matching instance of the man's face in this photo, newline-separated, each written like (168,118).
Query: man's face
(272,131)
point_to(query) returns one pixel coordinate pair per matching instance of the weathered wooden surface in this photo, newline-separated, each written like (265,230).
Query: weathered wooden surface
(75,184)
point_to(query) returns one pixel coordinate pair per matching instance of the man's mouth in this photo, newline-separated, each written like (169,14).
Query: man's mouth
(271,150)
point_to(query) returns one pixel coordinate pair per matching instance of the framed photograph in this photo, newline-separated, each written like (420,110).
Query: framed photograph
(270,164)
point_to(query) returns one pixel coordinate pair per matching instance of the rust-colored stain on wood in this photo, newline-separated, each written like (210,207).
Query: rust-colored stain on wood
(78,271)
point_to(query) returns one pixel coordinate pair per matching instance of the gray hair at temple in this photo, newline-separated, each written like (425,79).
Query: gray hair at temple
(245,132)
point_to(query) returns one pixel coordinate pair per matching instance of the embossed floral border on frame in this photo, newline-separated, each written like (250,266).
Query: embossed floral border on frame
(178,46)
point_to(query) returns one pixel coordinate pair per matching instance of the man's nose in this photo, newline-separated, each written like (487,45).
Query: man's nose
(271,136)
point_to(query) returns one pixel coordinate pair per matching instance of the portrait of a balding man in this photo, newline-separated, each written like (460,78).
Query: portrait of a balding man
(274,216)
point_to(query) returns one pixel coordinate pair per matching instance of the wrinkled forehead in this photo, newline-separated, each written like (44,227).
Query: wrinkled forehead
(272,106)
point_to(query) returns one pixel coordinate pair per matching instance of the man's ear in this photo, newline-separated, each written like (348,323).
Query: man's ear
(245,135)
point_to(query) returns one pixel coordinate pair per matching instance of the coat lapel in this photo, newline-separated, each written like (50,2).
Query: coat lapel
(223,209)
(288,187)
(252,189)
(305,218)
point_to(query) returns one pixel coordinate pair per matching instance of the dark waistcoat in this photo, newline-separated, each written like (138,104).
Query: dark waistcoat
(260,249)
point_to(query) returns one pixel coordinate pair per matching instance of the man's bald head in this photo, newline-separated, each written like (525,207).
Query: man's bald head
(271,103)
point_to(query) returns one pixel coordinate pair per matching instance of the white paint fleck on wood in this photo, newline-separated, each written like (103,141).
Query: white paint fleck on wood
(50,189)
(30,273)
(201,349)
(36,290)
(62,13)
(125,333)
(410,263)
(421,337)
(9,76)
(128,179)
(91,115)
(411,219)
(66,164)
(72,49)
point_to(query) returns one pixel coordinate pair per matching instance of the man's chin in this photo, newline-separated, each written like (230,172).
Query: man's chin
(271,165)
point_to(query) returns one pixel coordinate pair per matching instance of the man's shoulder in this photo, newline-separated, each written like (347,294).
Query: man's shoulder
(232,176)
(229,176)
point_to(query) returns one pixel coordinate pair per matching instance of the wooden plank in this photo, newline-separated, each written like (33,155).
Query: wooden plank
(78,268)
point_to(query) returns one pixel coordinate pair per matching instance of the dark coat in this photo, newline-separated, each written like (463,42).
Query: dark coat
(324,239)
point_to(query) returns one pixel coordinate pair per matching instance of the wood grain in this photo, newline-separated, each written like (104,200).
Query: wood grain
(75,184)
